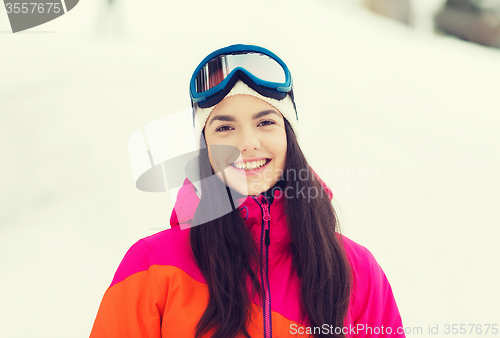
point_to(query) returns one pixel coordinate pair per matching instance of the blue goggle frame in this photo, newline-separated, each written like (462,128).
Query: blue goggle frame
(212,96)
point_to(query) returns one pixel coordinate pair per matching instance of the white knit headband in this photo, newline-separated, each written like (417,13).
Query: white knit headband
(285,107)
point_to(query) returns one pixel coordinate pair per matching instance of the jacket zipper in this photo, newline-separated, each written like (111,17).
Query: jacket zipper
(264,264)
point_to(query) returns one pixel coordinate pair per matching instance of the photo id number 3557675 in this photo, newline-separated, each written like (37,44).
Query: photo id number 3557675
(33,7)
(471,329)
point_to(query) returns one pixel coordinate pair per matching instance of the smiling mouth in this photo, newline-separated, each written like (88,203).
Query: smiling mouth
(251,165)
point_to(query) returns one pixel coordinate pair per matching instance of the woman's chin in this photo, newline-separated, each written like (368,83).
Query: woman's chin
(247,189)
(243,185)
(240,189)
(258,190)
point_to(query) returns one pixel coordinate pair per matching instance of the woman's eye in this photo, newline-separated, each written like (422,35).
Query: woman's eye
(266,123)
(223,128)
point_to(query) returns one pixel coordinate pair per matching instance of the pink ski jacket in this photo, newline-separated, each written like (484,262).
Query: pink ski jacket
(158,290)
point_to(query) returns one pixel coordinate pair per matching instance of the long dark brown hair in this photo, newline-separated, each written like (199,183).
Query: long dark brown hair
(226,254)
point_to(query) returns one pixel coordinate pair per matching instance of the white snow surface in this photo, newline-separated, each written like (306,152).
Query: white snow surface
(402,125)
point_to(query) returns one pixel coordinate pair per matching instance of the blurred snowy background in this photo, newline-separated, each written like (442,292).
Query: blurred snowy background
(415,111)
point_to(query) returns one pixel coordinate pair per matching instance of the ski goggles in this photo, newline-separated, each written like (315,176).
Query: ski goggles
(258,67)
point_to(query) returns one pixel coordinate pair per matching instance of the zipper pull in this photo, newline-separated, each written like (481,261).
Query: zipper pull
(267,216)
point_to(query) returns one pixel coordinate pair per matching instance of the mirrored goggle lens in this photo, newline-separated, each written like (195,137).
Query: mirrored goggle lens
(259,65)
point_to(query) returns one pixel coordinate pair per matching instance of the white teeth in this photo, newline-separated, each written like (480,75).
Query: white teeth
(250,165)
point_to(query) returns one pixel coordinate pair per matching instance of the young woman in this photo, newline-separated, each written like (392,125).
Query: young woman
(254,249)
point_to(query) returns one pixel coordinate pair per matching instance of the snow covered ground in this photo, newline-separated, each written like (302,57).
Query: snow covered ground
(417,114)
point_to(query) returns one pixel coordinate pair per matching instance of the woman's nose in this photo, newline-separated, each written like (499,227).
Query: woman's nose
(249,139)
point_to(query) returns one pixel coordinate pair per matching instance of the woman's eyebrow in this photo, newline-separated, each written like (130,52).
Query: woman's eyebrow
(231,118)
(264,113)
(221,118)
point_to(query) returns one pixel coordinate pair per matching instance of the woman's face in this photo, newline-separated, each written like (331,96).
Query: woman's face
(256,130)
